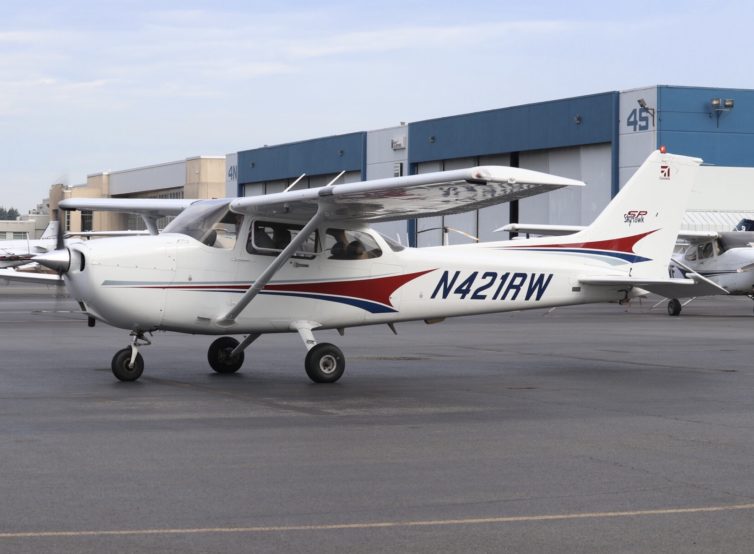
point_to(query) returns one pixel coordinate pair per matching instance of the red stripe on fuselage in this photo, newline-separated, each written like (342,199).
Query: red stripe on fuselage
(624,244)
(377,289)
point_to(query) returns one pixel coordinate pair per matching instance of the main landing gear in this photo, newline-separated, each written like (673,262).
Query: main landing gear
(324,362)
(674,307)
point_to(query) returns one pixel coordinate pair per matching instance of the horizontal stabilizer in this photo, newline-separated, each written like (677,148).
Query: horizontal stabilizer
(668,287)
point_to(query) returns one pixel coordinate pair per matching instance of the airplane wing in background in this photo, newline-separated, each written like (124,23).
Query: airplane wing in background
(428,194)
(30,277)
(547,230)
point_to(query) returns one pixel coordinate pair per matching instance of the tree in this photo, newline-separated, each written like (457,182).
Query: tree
(8,215)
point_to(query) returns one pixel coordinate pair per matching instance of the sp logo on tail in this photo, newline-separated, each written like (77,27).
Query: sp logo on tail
(634,216)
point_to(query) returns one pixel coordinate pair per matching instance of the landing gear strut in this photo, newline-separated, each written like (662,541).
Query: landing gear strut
(128,364)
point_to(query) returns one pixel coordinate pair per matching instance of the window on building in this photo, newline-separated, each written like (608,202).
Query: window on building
(87,221)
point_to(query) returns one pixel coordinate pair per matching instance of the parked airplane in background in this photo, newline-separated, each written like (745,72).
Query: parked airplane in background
(720,262)
(18,252)
(726,258)
(301,261)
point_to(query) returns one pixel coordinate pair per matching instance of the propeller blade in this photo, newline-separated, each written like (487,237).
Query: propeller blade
(59,239)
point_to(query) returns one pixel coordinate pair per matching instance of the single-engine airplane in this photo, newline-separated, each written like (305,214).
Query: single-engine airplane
(301,261)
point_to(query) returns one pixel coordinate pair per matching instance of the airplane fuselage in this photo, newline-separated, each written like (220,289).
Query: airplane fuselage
(173,282)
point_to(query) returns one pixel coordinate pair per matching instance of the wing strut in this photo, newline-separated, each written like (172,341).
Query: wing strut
(150,221)
(269,273)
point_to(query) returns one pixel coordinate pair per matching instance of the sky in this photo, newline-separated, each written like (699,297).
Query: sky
(92,86)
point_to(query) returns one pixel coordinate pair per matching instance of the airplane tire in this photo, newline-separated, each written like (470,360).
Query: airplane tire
(325,363)
(674,307)
(120,367)
(219,358)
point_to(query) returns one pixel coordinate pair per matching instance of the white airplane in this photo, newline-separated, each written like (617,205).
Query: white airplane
(719,262)
(14,253)
(726,259)
(305,261)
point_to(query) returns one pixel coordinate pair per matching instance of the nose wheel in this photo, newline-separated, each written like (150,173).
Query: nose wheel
(128,364)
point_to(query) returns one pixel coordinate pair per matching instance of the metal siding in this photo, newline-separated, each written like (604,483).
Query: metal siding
(328,155)
(530,127)
(686,125)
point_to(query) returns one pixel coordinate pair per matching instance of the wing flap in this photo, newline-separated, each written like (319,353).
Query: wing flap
(439,193)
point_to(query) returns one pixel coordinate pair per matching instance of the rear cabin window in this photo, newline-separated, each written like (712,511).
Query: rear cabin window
(344,244)
(270,238)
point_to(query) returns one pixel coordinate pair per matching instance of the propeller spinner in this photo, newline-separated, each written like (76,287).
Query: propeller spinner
(59,259)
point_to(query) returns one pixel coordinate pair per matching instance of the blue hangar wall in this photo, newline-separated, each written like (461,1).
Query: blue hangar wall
(599,138)
(689,124)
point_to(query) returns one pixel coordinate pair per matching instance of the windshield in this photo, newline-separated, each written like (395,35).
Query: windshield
(198,220)
(394,245)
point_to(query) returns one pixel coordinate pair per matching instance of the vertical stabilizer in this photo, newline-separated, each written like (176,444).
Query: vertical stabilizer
(641,224)
(51,231)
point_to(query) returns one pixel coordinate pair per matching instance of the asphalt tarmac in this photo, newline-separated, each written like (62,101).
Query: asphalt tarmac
(584,429)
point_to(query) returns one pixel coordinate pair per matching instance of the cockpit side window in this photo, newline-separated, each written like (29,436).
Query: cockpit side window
(270,238)
(706,251)
(345,244)
(691,253)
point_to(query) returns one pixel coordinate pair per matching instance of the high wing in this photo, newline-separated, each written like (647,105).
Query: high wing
(544,229)
(439,193)
(150,209)
(151,206)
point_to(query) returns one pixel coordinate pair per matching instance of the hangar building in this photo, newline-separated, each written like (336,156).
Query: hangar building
(600,139)
(195,177)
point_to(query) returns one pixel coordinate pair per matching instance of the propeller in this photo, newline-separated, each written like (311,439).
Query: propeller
(59,259)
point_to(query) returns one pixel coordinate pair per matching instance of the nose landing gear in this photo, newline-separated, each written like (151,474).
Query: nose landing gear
(128,364)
